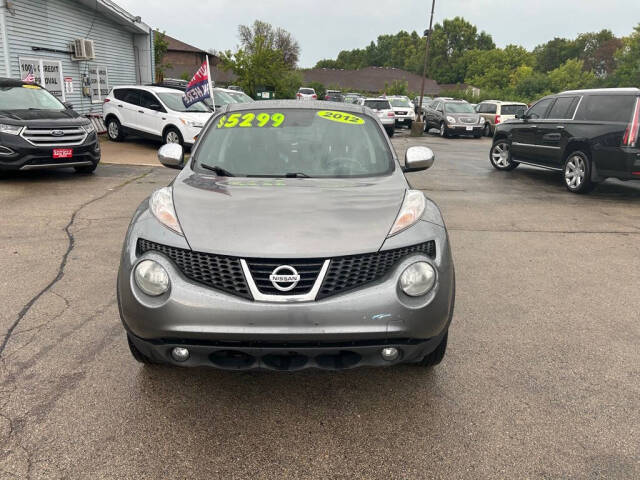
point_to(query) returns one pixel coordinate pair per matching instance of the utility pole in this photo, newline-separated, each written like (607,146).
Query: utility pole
(424,71)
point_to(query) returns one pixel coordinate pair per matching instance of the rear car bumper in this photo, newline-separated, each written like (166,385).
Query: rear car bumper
(350,327)
(21,155)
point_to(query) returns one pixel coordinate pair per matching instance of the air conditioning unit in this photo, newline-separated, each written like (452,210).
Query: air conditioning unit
(83,49)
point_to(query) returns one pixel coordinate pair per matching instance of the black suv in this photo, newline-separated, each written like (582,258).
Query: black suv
(588,135)
(38,131)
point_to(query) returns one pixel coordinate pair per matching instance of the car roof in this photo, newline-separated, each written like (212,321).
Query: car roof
(148,88)
(502,101)
(14,82)
(604,90)
(290,104)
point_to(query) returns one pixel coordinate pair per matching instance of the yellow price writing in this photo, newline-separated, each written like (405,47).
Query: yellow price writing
(340,117)
(249,120)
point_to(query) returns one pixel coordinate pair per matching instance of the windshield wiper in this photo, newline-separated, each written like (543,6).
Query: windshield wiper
(221,172)
(296,175)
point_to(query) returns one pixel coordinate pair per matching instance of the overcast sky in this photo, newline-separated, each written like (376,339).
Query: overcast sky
(325,28)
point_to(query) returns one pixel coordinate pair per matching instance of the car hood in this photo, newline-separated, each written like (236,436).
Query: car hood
(196,116)
(286,218)
(62,117)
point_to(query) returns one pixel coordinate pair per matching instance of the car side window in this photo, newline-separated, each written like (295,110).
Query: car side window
(539,110)
(491,108)
(606,108)
(120,93)
(561,110)
(132,96)
(147,99)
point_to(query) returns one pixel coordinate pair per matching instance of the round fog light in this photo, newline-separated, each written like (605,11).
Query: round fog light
(151,278)
(180,354)
(417,279)
(390,354)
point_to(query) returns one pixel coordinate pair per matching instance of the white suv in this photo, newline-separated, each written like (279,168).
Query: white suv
(156,112)
(305,93)
(404,110)
(383,110)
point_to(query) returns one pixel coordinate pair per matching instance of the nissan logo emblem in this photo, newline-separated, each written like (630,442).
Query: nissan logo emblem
(285,278)
(57,133)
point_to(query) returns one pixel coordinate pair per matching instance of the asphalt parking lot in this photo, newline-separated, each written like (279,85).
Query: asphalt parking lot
(541,379)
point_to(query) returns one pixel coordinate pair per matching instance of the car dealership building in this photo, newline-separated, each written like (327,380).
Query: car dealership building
(77,49)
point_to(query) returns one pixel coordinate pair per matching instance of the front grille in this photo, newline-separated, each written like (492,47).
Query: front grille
(346,273)
(54,137)
(307,269)
(401,113)
(216,271)
(225,273)
(468,120)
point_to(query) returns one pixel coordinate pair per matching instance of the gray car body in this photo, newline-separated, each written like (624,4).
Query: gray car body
(289,218)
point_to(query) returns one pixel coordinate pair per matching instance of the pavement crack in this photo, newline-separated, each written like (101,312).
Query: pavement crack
(65,257)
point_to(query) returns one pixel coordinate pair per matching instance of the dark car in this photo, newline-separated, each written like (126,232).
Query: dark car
(291,239)
(588,135)
(453,117)
(37,131)
(334,96)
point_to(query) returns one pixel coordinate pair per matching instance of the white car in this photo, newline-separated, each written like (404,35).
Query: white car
(156,112)
(404,110)
(383,110)
(305,93)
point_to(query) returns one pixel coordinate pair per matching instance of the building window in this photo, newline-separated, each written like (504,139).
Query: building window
(99,82)
(47,72)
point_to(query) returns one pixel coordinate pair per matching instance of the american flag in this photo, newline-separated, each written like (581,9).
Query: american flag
(30,76)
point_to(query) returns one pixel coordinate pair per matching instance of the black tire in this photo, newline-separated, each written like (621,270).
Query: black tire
(137,354)
(114,130)
(486,131)
(390,131)
(477,135)
(434,358)
(86,169)
(577,173)
(170,134)
(498,158)
(444,132)
(409,124)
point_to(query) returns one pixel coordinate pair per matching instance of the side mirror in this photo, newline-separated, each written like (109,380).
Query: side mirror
(417,159)
(68,106)
(171,155)
(522,115)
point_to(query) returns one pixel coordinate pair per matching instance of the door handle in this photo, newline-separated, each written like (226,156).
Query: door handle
(560,127)
(140,111)
(119,106)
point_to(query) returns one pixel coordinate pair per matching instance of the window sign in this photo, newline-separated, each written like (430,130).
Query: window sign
(99,82)
(47,72)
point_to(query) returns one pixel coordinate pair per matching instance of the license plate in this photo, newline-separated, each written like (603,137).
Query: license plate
(62,152)
(469,129)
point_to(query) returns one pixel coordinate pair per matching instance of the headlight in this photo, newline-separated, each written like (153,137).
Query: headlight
(451,119)
(191,123)
(89,128)
(480,119)
(10,129)
(151,277)
(417,279)
(412,209)
(161,205)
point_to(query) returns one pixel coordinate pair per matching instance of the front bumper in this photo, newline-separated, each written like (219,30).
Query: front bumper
(465,129)
(25,156)
(358,322)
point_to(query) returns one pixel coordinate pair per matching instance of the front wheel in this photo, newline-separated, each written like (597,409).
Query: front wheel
(577,173)
(500,155)
(444,132)
(114,130)
(486,131)
(172,135)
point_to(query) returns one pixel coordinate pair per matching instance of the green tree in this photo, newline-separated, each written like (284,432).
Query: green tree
(571,76)
(397,87)
(160,45)
(262,65)
(554,53)
(628,60)
(270,38)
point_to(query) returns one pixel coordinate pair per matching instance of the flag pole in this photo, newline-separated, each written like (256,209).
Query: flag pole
(213,102)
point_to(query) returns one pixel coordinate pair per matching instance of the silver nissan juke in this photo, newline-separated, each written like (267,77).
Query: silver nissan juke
(291,239)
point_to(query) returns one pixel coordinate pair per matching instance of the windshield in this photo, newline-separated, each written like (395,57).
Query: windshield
(223,98)
(241,97)
(512,109)
(173,100)
(459,108)
(377,104)
(27,97)
(290,142)
(399,102)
